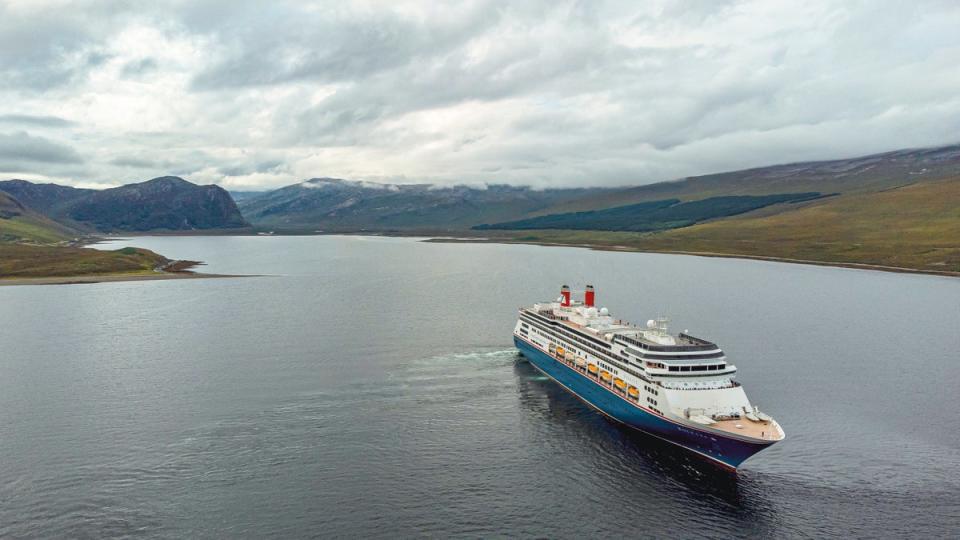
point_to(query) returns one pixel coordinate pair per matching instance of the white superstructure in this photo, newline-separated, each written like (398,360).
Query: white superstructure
(680,378)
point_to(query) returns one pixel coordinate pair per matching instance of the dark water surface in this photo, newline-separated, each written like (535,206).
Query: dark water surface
(369,388)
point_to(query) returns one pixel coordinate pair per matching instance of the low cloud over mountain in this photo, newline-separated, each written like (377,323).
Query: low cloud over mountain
(549,94)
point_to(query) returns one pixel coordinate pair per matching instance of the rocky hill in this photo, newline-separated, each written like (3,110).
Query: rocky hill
(47,199)
(168,203)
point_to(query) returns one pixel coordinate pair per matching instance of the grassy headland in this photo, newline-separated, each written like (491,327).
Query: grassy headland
(915,227)
(36,249)
(20,261)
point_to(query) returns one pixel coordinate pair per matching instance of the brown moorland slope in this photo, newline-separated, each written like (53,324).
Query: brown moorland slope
(916,226)
(853,175)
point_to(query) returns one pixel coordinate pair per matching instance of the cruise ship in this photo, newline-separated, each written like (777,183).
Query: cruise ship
(678,388)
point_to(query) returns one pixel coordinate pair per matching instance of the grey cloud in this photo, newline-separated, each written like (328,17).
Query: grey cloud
(21,146)
(45,48)
(543,93)
(136,163)
(259,167)
(36,120)
(176,162)
(268,45)
(515,67)
(139,68)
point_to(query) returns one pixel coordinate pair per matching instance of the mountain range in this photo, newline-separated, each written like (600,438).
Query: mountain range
(897,208)
(332,205)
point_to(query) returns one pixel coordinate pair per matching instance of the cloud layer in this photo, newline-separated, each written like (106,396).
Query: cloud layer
(253,95)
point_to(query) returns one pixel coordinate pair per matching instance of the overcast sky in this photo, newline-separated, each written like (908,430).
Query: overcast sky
(252,95)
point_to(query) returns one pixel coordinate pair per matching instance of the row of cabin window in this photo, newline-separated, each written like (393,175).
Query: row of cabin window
(523,325)
(651,390)
(715,367)
(586,344)
(583,342)
(538,332)
(652,401)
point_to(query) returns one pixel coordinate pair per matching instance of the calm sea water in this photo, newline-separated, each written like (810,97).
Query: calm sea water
(368,387)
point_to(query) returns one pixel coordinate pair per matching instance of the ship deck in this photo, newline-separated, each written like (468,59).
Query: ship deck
(757,430)
(629,329)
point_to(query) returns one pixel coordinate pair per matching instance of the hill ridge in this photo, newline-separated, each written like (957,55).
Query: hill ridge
(161,203)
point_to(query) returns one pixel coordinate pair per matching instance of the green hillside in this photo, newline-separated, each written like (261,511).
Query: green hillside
(864,174)
(915,226)
(654,215)
(32,245)
(19,224)
(19,261)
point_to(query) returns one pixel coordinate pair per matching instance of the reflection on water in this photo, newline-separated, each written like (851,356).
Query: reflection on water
(636,465)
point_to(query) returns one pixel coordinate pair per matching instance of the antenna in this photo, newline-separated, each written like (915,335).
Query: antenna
(662,325)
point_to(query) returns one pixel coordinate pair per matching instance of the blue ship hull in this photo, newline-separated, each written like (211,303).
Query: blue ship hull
(725,451)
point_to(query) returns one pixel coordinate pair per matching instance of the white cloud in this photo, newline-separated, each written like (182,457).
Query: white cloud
(254,95)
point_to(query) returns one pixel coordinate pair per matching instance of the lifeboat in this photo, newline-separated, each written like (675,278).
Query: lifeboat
(605,375)
(619,383)
(592,368)
(560,351)
(633,392)
(581,362)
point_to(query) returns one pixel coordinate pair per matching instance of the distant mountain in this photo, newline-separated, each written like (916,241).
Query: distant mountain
(864,174)
(332,204)
(340,205)
(168,203)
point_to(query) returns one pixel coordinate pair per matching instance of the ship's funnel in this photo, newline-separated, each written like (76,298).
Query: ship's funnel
(565,292)
(588,296)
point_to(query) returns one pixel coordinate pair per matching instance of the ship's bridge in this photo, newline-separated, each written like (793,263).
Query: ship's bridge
(665,354)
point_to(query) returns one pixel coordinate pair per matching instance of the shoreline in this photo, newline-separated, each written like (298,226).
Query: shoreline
(177,269)
(107,278)
(630,249)
(453,238)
